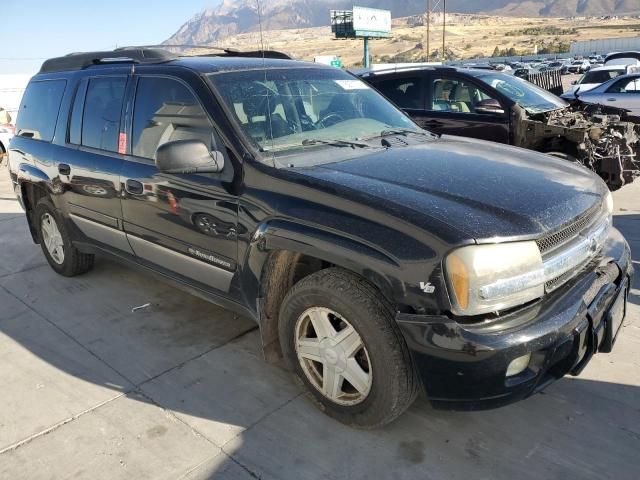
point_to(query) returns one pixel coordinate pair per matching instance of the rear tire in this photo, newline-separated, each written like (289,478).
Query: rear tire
(340,339)
(56,244)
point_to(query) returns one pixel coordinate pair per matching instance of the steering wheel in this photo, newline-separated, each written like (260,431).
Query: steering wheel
(339,118)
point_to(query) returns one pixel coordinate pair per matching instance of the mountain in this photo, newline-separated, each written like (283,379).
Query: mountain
(241,16)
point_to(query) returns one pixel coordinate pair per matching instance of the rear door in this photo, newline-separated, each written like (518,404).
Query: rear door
(89,168)
(185,224)
(457,105)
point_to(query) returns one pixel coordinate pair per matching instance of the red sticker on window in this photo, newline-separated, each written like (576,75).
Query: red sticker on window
(122,144)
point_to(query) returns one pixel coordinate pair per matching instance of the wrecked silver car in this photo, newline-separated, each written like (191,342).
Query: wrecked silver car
(495,106)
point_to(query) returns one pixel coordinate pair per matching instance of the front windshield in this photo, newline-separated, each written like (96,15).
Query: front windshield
(283,110)
(599,76)
(529,96)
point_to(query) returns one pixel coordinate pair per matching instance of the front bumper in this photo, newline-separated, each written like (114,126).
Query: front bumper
(463,367)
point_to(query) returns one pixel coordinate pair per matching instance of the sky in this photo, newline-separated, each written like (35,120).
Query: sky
(35,30)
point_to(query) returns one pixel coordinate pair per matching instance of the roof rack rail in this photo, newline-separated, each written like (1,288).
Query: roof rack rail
(224,51)
(81,60)
(148,54)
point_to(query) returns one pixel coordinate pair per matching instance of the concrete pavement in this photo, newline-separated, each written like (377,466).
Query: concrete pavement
(90,389)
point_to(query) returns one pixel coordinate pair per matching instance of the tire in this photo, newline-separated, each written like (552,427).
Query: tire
(347,301)
(71,261)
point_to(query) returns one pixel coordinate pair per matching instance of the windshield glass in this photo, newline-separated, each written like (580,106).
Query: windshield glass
(600,76)
(530,97)
(297,108)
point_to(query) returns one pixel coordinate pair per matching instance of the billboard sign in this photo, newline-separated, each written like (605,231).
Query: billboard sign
(371,22)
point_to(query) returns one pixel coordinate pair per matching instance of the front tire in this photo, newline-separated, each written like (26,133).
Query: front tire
(340,339)
(56,244)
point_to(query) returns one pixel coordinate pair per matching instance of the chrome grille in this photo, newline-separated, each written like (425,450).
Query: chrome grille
(558,238)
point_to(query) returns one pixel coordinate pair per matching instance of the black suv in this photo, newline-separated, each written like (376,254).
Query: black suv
(377,258)
(496,106)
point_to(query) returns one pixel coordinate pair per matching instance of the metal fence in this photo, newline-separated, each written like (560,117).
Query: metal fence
(551,81)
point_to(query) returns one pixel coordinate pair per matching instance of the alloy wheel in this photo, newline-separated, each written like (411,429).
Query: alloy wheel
(333,356)
(52,238)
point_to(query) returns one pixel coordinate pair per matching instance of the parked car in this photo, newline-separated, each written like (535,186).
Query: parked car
(622,92)
(593,78)
(579,66)
(378,258)
(507,109)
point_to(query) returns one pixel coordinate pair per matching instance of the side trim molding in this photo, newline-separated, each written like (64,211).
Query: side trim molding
(102,233)
(184,265)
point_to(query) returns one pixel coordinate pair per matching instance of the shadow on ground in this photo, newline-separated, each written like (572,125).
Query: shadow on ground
(69,345)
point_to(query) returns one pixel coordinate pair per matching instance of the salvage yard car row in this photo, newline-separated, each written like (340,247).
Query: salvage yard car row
(378,258)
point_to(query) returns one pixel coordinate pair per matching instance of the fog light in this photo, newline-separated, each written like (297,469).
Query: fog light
(518,365)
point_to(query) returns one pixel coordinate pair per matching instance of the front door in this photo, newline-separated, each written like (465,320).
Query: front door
(185,224)
(457,106)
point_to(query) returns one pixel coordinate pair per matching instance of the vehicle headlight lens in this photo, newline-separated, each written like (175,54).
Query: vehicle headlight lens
(609,203)
(490,278)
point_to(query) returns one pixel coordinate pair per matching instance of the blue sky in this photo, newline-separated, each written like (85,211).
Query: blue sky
(34,30)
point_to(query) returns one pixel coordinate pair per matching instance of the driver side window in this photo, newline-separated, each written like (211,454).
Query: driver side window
(456,96)
(166,111)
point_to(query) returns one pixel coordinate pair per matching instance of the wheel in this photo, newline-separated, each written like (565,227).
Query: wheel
(340,339)
(63,257)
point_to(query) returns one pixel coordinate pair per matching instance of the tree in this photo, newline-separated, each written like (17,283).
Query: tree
(496,52)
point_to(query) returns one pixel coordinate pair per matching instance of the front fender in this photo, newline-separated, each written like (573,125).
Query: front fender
(370,262)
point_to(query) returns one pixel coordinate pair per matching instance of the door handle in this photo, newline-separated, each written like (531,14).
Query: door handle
(64,169)
(611,100)
(134,187)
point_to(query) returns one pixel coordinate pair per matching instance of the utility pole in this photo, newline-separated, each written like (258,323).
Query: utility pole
(444,29)
(428,30)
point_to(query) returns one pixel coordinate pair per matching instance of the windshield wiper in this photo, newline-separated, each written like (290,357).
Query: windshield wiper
(335,143)
(405,132)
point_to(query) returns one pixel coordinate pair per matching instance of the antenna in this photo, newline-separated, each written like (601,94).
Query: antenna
(264,68)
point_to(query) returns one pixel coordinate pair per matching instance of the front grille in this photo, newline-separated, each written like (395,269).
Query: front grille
(561,236)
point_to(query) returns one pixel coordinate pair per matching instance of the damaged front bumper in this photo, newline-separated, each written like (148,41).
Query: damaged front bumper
(463,367)
(602,142)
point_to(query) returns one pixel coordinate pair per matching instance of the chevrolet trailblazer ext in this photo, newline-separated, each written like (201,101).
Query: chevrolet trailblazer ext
(377,258)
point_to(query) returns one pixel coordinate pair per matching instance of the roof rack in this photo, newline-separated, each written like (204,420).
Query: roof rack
(81,60)
(227,51)
(147,54)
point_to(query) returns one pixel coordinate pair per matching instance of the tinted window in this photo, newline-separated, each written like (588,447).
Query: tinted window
(404,92)
(456,96)
(39,109)
(166,111)
(101,119)
(75,125)
(600,76)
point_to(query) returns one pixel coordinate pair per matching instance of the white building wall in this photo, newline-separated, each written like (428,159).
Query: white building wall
(605,46)
(11,90)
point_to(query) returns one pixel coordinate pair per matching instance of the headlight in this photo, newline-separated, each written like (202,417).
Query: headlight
(490,278)
(609,203)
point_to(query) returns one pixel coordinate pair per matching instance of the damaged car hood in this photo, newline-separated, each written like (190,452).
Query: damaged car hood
(482,189)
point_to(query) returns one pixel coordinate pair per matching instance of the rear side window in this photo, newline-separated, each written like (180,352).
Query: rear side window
(102,108)
(39,109)
(166,111)
(404,92)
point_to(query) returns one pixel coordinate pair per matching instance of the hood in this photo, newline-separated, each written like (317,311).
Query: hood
(478,190)
(585,87)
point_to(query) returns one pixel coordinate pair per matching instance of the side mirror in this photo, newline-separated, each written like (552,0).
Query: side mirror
(188,156)
(489,106)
